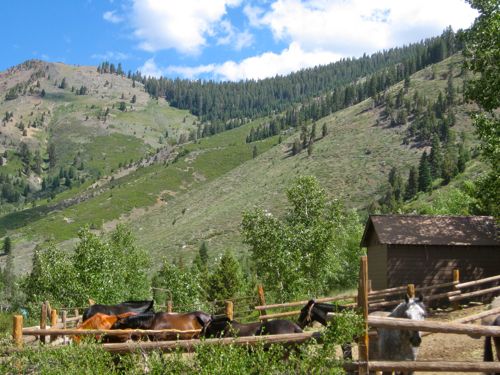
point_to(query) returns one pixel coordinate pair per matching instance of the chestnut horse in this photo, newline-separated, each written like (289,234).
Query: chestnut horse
(102,321)
(193,321)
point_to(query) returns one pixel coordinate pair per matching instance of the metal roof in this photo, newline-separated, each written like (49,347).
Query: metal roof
(432,230)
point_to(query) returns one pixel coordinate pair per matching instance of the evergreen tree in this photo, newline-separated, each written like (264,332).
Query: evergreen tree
(42,93)
(310,148)
(63,84)
(51,150)
(203,252)
(424,174)
(7,245)
(412,185)
(254,151)
(226,280)
(324,130)
(463,157)
(435,157)
(134,99)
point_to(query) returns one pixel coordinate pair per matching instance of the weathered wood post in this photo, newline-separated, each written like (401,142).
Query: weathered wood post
(170,306)
(76,312)
(456,279)
(229,309)
(262,299)
(410,290)
(43,321)
(17,330)
(53,323)
(64,317)
(363,305)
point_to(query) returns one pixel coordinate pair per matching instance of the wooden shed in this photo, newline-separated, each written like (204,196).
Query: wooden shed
(424,250)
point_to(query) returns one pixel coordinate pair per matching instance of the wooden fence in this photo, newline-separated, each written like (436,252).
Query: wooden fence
(452,292)
(364,300)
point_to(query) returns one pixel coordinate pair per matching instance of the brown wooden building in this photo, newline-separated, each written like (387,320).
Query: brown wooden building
(424,250)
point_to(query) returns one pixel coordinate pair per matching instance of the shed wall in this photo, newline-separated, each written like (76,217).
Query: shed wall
(426,265)
(377,266)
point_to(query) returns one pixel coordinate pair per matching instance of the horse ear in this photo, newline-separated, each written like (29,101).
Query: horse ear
(407,298)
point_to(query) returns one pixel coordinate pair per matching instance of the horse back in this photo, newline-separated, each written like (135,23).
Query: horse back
(277,327)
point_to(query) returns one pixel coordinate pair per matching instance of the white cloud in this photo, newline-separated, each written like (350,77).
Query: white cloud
(111,55)
(112,17)
(232,37)
(150,69)
(184,25)
(268,64)
(358,26)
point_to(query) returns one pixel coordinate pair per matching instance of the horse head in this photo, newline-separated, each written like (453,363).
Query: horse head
(413,308)
(305,317)
(213,327)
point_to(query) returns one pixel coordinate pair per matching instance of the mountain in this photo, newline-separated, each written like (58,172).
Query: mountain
(176,192)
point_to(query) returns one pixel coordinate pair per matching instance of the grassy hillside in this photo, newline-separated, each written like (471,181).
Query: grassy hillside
(177,203)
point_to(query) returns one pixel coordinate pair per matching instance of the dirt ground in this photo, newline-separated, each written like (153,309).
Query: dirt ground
(451,347)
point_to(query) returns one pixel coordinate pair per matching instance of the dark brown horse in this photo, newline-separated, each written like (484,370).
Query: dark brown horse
(137,307)
(318,312)
(193,321)
(223,327)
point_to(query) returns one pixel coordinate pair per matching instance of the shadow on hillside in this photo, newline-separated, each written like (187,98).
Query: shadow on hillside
(19,219)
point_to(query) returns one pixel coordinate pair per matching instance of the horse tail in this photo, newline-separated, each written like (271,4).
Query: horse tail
(488,350)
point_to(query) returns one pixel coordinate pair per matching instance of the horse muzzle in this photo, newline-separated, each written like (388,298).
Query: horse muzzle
(416,340)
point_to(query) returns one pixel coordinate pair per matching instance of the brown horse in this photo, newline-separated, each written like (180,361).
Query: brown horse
(223,327)
(193,321)
(102,321)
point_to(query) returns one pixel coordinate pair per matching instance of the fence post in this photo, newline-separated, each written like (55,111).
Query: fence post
(53,323)
(43,321)
(64,323)
(456,278)
(17,330)
(229,309)
(410,290)
(363,304)
(170,306)
(262,299)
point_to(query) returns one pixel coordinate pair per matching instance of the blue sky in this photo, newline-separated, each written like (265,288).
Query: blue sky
(217,39)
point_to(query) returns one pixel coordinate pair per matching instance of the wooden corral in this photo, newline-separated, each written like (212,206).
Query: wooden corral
(424,250)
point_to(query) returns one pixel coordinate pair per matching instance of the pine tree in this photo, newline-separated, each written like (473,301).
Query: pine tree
(324,130)
(310,147)
(435,157)
(463,157)
(42,93)
(226,280)
(52,155)
(412,185)
(254,152)
(63,84)
(424,174)
(7,245)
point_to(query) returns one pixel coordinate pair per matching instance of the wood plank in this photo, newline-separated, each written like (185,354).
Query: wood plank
(428,366)
(428,326)
(478,282)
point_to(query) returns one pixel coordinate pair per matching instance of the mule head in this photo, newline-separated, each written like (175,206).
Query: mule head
(415,310)
(305,317)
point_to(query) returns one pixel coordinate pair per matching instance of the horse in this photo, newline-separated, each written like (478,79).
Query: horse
(127,306)
(400,345)
(102,321)
(224,327)
(318,312)
(493,320)
(161,320)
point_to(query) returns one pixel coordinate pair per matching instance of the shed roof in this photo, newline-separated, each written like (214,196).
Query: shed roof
(432,230)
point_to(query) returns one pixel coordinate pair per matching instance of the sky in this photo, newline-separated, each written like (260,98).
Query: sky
(217,39)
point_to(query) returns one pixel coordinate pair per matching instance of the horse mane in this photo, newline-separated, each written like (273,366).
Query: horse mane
(136,304)
(328,307)
(139,320)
